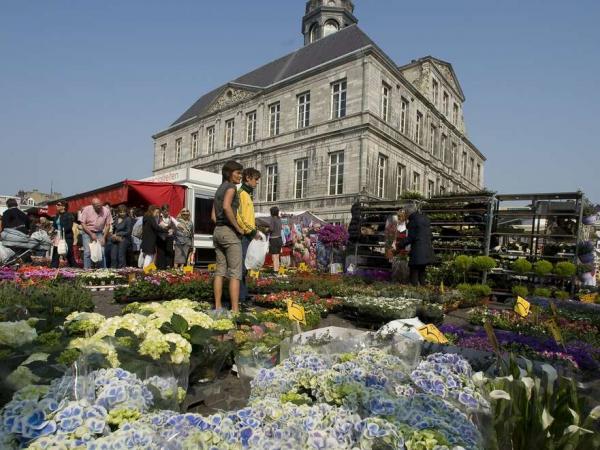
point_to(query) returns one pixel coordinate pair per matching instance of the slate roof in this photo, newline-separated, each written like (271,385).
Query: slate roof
(345,41)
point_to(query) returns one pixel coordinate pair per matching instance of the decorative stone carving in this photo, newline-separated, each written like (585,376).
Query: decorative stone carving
(230,97)
(447,75)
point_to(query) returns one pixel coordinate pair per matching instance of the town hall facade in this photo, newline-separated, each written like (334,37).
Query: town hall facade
(331,121)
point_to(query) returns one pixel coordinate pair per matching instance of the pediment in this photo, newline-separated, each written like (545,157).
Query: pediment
(448,73)
(230,95)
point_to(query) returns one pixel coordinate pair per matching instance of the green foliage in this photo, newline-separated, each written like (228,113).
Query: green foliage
(521,266)
(484,263)
(541,413)
(412,195)
(520,291)
(562,295)
(542,268)
(565,269)
(473,294)
(197,290)
(462,264)
(542,292)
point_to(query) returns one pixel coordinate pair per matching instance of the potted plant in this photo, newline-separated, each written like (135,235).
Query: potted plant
(521,266)
(463,264)
(520,291)
(565,269)
(542,268)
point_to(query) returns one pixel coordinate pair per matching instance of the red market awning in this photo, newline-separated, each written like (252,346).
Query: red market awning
(130,193)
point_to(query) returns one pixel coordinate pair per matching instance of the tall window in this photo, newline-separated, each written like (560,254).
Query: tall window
(403,116)
(472,168)
(419,129)
(272,177)
(274,118)
(444,148)
(416,182)
(385,101)
(178,151)
(479,174)
(455,114)
(210,140)
(301,181)
(430,188)
(400,180)
(336,173)
(442,190)
(251,127)
(229,131)
(435,91)
(464,163)
(194,139)
(445,102)
(454,156)
(381,175)
(433,139)
(163,155)
(338,99)
(304,110)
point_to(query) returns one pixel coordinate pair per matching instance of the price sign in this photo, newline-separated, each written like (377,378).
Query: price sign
(150,268)
(555,330)
(188,269)
(212,267)
(254,274)
(522,307)
(296,312)
(589,298)
(431,333)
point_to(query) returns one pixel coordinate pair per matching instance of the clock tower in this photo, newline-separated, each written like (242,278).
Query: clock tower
(325,17)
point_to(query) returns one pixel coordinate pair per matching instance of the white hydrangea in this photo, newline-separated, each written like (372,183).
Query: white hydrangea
(92,345)
(136,323)
(15,334)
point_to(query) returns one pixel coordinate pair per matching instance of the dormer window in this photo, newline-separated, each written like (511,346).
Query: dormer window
(314,32)
(331,26)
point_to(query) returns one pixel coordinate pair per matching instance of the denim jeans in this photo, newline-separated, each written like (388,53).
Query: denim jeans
(118,255)
(87,260)
(243,285)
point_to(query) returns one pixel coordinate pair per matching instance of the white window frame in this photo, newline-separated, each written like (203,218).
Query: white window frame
(400,180)
(416,182)
(443,147)
(301,178)
(339,91)
(194,144)
(274,119)
(386,92)
(382,163)
(432,138)
(163,155)
(271,182)
(251,127)
(229,133)
(336,172)
(303,110)
(430,188)
(404,110)
(419,128)
(178,145)
(210,140)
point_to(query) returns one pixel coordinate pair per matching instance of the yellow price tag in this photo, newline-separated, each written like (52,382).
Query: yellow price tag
(555,330)
(522,307)
(212,267)
(282,270)
(589,298)
(254,274)
(296,312)
(431,333)
(188,269)
(303,267)
(150,268)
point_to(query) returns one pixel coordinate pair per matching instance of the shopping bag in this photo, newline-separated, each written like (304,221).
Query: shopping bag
(62,247)
(95,252)
(257,250)
(5,254)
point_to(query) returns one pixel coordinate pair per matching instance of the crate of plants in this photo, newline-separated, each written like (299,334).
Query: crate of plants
(376,311)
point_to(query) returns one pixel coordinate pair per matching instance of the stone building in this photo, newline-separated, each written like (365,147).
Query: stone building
(332,120)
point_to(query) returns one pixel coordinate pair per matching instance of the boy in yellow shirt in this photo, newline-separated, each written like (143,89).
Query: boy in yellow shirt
(246,220)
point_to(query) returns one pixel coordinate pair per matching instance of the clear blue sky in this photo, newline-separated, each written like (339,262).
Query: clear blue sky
(85,84)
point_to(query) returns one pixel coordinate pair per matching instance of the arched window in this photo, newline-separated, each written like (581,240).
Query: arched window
(30,202)
(314,32)
(331,26)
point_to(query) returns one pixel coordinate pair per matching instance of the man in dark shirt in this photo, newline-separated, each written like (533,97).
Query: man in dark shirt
(14,218)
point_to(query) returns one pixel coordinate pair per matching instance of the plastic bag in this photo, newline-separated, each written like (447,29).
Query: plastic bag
(5,254)
(96,251)
(257,251)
